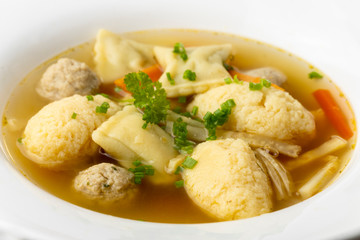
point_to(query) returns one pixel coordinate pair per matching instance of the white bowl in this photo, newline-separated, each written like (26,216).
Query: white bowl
(325,33)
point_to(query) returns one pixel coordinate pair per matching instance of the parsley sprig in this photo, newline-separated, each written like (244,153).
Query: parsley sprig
(218,118)
(149,96)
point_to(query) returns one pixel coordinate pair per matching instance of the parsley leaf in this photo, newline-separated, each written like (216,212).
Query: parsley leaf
(180,49)
(218,118)
(149,96)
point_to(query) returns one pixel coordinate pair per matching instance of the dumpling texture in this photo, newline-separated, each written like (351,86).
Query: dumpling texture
(269,112)
(227,182)
(115,56)
(53,138)
(205,61)
(123,137)
(106,181)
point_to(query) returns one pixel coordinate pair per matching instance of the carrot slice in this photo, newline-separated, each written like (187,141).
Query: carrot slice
(333,112)
(248,78)
(153,71)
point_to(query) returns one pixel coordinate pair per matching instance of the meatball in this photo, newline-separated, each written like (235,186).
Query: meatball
(226,182)
(269,73)
(59,135)
(66,78)
(106,181)
(269,112)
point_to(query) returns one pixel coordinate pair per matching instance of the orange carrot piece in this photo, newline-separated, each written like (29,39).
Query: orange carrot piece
(248,78)
(333,112)
(153,71)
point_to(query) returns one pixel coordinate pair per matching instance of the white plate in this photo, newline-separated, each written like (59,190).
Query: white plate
(325,33)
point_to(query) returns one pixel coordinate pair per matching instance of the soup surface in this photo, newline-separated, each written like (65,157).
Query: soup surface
(167,203)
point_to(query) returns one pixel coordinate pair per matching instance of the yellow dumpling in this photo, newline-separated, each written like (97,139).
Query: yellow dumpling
(227,182)
(205,61)
(115,56)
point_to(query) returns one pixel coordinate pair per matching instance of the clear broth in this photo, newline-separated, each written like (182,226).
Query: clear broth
(168,204)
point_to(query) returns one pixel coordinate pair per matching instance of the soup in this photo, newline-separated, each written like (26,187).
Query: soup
(298,170)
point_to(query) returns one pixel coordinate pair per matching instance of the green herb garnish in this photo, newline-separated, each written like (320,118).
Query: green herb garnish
(90,98)
(136,163)
(236,80)
(189,75)
(195,110)
(149,96)
(73,116)
(170,79)
(182,99)
(179,169)
(258,86)
(141,171)
(179,184)
(104,95)
(189,163)
(182,144)
(218,118)
(228,80)
(19,140)
(106,185)
(316,75)
(102,108)
(180,49)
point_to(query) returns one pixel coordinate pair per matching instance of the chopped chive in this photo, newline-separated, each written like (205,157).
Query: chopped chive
(90,98)
(180,49)
(182,99)
(136,163)
(104,95)
(228,80)
(102,108)
(189,162)
(236,80)
(19,140)
(150,171)
(255,86)
(170,79)
(266,83)
(178,170)
(137,180)
(189,75)
(186,114)
(179,184)
(73,116)
(316,75)
(195,110)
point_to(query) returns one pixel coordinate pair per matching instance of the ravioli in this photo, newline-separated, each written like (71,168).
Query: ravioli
(124,138)
(115,56)
(205,61)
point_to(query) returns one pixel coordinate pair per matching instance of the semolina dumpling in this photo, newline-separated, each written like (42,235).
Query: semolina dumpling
(268,112)
(59,135)
(227,183)
(115,56)
(205,61)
